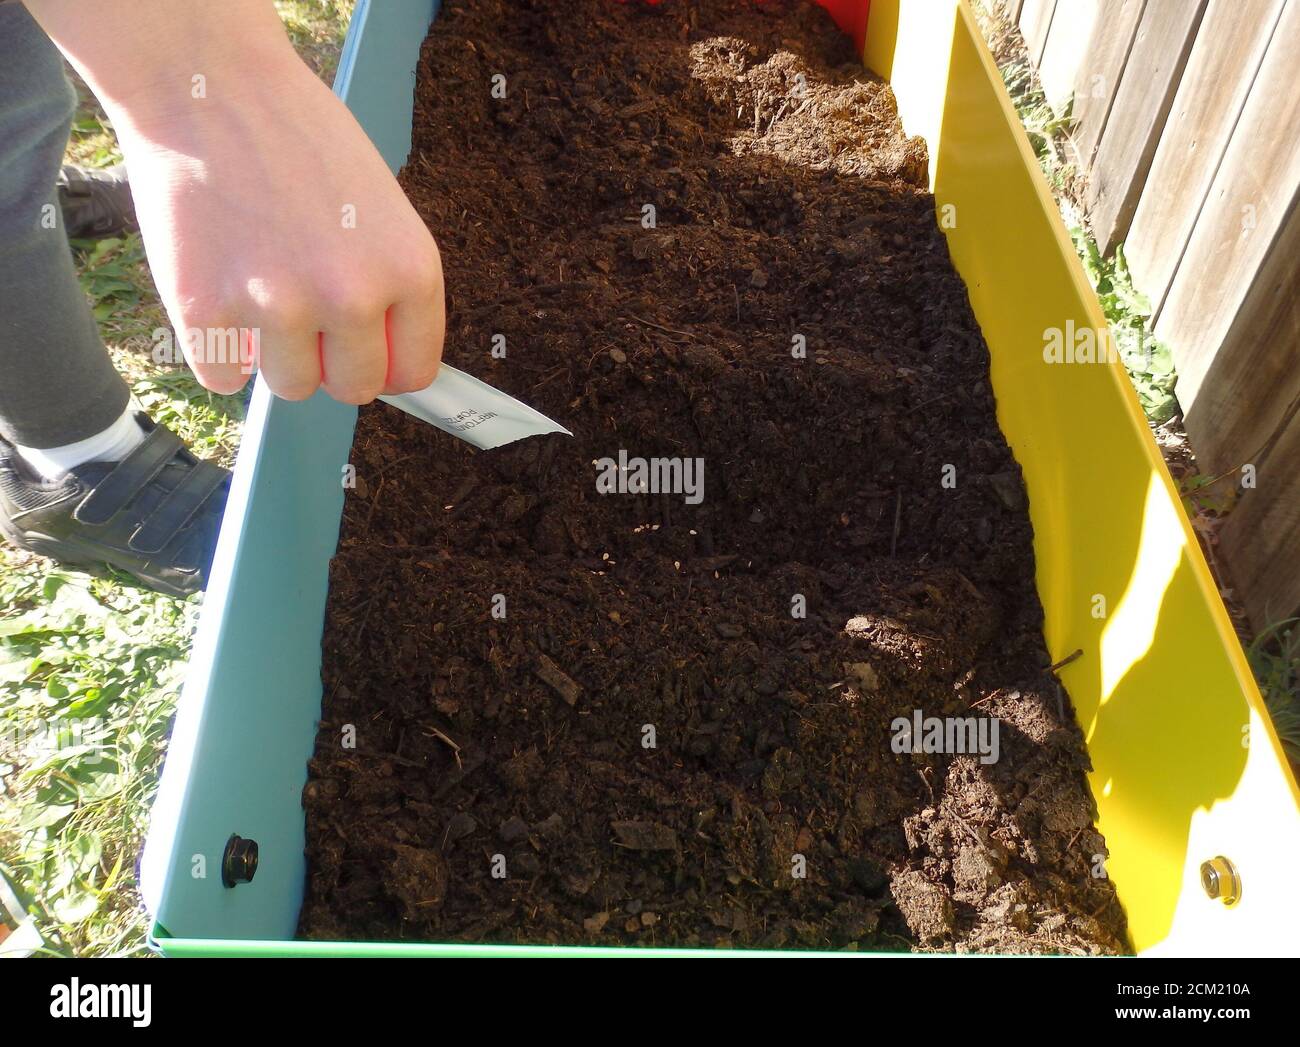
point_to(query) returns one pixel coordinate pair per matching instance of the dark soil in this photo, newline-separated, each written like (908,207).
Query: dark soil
(788,202)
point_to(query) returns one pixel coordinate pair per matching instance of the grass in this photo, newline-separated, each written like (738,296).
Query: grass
(1275,659)
(316,28)
(90,667)
(1045,127)
(1149,363)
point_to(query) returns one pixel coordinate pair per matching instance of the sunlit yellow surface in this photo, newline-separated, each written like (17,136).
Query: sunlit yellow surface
(1186,765)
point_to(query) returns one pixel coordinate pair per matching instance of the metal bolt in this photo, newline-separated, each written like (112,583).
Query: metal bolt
(239,862)
(1220,880)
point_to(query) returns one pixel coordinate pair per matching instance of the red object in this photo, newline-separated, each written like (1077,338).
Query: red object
(849,15)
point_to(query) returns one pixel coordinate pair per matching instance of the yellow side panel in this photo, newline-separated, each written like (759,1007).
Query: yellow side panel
(1186,764)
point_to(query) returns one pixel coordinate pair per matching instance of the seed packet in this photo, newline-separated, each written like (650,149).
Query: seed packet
(458,403)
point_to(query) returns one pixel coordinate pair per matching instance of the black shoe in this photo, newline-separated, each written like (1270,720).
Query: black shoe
(154,515)
(96,202)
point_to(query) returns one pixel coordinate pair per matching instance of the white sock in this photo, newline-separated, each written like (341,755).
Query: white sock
(112,445)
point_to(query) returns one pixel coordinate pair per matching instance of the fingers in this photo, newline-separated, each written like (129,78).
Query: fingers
(354,360)
(216,353)
(416,328)
(356,338)
(417,322)
(290,361)
(384,335)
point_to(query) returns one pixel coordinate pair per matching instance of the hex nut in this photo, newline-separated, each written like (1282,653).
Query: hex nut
(239,861)
(1220,880)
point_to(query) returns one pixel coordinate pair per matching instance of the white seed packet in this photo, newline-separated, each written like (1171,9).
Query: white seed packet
(458,403)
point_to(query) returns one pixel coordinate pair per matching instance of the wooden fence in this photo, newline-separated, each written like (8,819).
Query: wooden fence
(1187,123)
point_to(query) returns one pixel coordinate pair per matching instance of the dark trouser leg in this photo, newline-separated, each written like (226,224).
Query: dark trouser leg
(57,383)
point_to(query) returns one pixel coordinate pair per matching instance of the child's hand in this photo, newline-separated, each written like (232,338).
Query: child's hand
(262,203)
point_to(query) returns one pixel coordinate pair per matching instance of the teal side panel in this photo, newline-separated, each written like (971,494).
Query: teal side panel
(376,74)
(247,720)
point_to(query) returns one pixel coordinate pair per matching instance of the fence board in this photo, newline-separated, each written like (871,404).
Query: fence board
(1142,102)
(1220,70)
(1258,540)
(1102,69)
(1248,203)
(1185,116)
(1253,381)
(1066,49)
(1035,21)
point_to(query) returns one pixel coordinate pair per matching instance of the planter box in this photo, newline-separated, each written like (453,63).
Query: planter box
(1187,766)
